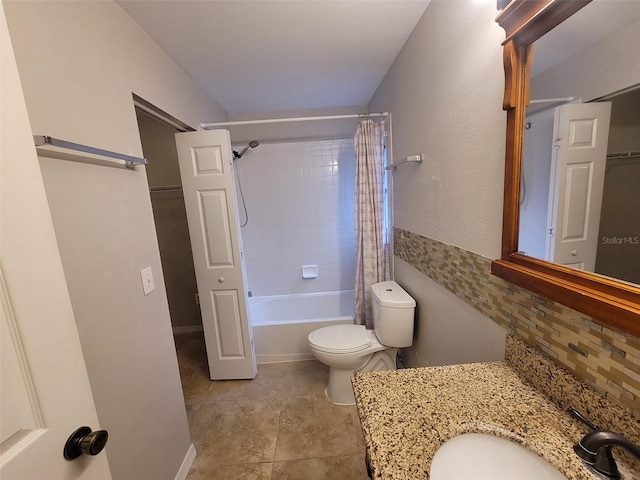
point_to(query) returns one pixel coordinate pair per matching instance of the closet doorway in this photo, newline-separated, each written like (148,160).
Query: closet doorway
(157,134)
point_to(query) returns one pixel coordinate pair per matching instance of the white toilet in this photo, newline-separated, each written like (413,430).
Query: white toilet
(347,349)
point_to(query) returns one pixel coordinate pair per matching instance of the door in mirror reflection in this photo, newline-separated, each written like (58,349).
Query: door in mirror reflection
(572,162)
(581,132)
(581,186)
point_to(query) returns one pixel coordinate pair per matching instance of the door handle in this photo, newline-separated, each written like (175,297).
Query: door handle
(220,279)
(84,441)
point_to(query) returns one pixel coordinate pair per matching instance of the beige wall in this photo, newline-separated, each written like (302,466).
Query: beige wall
(603,68)
(447,325)
(159,147)
(625,122)
(79,63)
(444,92)
(619,235)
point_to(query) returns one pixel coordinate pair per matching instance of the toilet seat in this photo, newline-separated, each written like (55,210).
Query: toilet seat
(340,339)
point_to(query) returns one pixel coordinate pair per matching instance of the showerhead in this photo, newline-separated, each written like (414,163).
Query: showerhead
(251,144)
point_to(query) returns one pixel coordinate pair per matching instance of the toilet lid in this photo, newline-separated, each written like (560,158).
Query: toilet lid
(340,338)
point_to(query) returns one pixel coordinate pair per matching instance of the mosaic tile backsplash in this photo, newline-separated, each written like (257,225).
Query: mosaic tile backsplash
(606,359)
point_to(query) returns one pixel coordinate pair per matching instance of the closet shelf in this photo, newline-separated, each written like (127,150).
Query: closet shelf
(166,188)
(631,154)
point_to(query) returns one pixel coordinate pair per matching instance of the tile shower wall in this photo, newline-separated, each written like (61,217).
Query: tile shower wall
(608,360)
(299,197)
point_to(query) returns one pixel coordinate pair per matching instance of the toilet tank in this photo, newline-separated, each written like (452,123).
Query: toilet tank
(393,313)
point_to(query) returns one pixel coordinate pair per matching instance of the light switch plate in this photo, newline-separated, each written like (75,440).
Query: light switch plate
(147,280)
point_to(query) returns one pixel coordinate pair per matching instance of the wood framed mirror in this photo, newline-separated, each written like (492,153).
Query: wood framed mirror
(609,301)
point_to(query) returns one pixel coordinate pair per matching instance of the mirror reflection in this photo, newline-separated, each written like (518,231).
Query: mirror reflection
(580,185)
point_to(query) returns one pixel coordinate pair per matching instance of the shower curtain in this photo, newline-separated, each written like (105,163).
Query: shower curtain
(372,251)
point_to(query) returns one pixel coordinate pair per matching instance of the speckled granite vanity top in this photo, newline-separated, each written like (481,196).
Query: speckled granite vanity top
(408,414)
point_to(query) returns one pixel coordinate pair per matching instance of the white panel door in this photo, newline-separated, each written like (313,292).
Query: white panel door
(45,392)
(581,136)
(206,168)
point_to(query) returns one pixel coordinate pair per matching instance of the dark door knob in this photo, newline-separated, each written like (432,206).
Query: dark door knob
(84,441)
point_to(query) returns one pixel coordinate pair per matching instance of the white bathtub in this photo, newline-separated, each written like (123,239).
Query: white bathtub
(282,323)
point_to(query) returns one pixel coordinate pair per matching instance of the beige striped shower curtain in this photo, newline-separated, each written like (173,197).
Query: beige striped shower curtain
(372,252)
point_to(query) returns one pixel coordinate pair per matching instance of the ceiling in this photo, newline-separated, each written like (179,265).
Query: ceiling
(270,55)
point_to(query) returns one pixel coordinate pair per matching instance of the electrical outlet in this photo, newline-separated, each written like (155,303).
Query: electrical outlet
(147,280)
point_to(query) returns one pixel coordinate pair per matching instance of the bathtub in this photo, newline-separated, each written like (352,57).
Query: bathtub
(282,323)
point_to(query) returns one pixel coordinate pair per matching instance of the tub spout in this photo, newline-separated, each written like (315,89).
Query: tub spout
(595,450)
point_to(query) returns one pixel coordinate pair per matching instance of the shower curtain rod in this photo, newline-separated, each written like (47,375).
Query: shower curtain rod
(553,100)
(208,126)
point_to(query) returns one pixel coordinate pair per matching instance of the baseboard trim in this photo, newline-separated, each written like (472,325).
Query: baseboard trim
(187,329)
(186,463)
(285,357)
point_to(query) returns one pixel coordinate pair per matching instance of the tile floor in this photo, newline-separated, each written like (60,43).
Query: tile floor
(278,426)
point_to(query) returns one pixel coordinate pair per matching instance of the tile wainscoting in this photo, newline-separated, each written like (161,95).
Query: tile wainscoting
(606,359)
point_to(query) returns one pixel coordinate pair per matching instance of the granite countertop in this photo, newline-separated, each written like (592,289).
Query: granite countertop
(408,414)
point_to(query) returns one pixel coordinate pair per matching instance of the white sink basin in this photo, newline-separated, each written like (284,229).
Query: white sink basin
(480,456)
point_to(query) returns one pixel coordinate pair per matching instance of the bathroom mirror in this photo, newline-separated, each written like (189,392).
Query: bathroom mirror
(608,300)
(579,201)
(568,216)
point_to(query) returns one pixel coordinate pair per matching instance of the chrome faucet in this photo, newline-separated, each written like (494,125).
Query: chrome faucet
(595,448)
